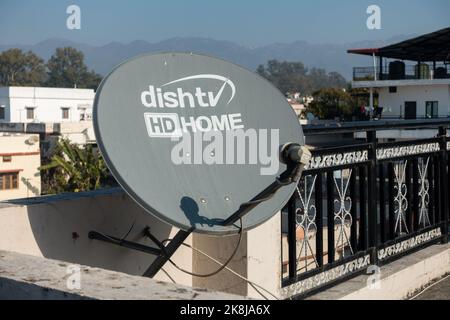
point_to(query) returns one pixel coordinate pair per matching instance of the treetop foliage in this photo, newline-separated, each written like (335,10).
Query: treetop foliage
(292,77)
(18,68)
(330,103)
(66,69)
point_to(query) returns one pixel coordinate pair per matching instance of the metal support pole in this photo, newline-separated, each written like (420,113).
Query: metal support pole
(372,193)
(353,211)
(245,208)
(419,70)
(319,219)
(295,157)
(375,67)
(391,175)
(292,237)
(330,216)
(371,102)
(380,76)
(382,178)
(363,243)
(434,70)
(444,181)
(167,253)
(123,243)
(415,216)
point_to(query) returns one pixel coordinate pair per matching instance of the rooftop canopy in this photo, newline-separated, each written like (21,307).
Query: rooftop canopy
(434,46)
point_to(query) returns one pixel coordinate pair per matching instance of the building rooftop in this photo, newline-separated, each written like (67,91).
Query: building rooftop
(46,92)
(434,46)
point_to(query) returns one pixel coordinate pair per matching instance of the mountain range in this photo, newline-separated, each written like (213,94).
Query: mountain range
(331,57)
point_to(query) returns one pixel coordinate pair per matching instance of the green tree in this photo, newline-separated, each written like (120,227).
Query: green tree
(66,68)
(286,76)
(21,69)
(330,103)
(92,80)
(74,169)
(291,77)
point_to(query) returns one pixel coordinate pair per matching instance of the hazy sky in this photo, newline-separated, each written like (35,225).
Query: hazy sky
(247,22)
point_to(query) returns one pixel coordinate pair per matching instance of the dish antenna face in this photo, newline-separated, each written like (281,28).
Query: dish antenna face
(193,138)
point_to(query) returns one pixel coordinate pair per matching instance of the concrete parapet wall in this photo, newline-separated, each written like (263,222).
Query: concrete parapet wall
(32,278)
(57,227)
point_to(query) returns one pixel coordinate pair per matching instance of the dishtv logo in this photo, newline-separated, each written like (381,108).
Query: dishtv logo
(173,125)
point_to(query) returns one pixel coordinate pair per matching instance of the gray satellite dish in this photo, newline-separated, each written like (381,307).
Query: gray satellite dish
(145,108)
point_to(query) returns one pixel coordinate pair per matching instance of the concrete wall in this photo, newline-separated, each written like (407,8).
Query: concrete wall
(80,133)
(35,278)
(258,260)
(77,132)
(48,103)
(23,149)
(394,103)
(57,227)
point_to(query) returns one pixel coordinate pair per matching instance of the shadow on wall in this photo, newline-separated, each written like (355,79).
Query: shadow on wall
(32,189)
(60,225)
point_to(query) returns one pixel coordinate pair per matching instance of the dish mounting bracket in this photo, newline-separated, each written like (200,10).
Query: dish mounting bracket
(293,155)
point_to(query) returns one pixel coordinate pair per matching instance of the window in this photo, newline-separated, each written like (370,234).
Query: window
(7,158)
(65,113)
(2,113)
(392,89)
(432,109)
(30,113)
(9,181)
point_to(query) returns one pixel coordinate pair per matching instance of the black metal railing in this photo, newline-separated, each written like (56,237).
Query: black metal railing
(364,204)
(411,72)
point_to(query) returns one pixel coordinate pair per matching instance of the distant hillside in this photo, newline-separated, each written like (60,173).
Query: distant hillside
(330,57)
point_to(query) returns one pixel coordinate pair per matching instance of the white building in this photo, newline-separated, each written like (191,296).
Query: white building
(416,89)
(48,105)
(411,99)
(19,162)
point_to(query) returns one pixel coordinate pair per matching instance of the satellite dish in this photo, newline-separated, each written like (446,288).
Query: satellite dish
(148,110)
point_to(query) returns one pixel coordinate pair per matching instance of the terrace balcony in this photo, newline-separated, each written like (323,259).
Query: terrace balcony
(365,204)
(428,57)
(416,74)
(358,207)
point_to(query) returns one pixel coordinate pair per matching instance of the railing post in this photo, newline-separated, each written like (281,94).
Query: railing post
(372,194)
(391,174)
(363,243)
(292,236)
(444,181)
(330,216)
(415,188)
(319,219)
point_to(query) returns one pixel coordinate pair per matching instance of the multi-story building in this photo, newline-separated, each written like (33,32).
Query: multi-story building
(19,162)
(48,105)
(411,78)
(52,113)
